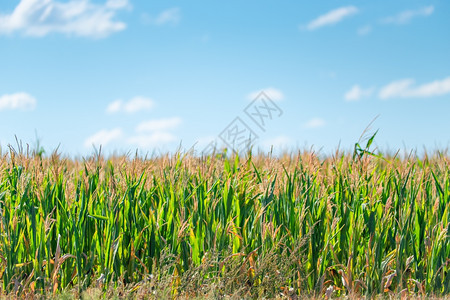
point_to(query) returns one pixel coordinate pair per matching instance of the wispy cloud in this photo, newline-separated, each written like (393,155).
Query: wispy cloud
(152,140)
(204,141)
(272,93)
(76,17)
(405,88)
(406,16)
(118,4)
(170,16)
(364,30)
(357,93)
(155,133)
(314,123)
(332,17)
(278,142)
(133,105)
(159,125)
(103,137)
(17,101)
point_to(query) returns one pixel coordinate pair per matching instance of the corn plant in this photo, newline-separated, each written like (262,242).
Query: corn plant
(297,224)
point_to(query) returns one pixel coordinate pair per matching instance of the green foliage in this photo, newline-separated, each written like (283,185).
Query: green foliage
(265,226)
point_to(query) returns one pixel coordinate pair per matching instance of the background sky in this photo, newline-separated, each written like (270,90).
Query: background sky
(154,75)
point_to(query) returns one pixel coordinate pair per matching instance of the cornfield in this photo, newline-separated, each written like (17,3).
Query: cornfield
(254,226)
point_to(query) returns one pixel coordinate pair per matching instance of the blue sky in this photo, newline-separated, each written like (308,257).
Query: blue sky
(154,75)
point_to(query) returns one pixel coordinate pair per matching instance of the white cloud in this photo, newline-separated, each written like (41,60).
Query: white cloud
(356,93)
(117,4)
(405,89)
(332,17)
(397,88)
(364,30)
(204,141)
(78,17)
(315,123)
(155,133)
(114,106)
(154,139)
(133,105)
(103,137)
(169,16)
(159,125)
(406,16)
(272,93)
(20,101)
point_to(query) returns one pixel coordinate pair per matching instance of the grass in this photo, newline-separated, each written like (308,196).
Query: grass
(258,226)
